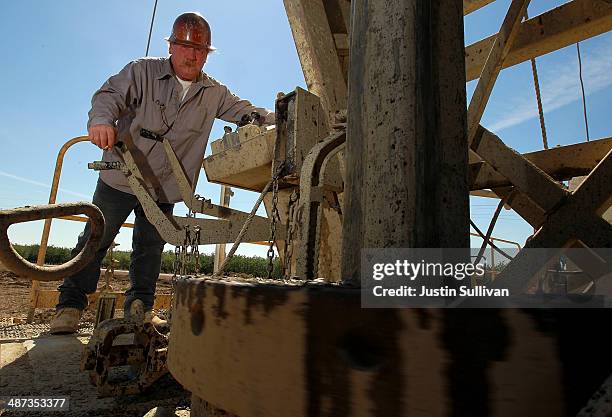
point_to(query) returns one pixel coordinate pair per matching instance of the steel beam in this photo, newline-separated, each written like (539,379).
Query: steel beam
(524,175)
(226,194)
(523,206)
(470,6)
(561,163)
(317,51)
(550,31)
(495,58)
(578,218)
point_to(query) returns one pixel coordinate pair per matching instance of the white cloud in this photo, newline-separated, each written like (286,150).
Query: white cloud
(560,86)
(42,184)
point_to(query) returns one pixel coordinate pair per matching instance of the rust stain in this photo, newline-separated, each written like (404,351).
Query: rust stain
(197,318)
(219,308)
(359,340)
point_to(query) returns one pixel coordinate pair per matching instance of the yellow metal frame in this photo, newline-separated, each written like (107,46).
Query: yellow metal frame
(38,296)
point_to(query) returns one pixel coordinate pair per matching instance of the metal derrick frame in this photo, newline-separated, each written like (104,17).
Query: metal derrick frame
(320,30)
(561,208)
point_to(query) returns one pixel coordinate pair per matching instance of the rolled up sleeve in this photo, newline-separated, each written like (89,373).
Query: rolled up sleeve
(232,108)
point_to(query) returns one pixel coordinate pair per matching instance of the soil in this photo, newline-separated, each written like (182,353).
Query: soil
(20,378)
(15,297)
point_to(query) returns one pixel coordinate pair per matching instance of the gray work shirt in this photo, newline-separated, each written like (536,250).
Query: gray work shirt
(146,94)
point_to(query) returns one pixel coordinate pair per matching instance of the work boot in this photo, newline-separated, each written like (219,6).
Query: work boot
(136,312)
(156,321)
(66,321)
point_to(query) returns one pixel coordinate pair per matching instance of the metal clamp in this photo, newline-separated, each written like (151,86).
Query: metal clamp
(104,165)
(147,356)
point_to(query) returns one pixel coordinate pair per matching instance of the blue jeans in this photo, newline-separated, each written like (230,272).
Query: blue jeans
(147,248)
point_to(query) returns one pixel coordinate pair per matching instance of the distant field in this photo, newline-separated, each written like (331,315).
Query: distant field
(255,265)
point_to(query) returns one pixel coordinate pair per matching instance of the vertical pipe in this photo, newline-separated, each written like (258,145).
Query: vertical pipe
(406,151)
(226,194)
(44,240)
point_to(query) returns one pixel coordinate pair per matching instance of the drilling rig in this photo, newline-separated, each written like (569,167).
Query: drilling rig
(383,152)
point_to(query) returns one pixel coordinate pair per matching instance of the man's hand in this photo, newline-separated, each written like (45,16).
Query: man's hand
(103,136)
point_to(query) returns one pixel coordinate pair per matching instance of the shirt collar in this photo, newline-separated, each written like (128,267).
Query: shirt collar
(167,71)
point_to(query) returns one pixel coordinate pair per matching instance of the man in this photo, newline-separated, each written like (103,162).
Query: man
(173,98)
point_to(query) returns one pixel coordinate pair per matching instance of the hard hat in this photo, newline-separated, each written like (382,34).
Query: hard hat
(191,29)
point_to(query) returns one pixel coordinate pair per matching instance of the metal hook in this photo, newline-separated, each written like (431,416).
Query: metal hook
(17,264)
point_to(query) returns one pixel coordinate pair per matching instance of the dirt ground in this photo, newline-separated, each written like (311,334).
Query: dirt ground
(15,296)
(21,377)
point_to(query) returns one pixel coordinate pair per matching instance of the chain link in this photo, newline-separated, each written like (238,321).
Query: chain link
(195,250)
(183,256)
(291,218)
(244,229)
(274,218)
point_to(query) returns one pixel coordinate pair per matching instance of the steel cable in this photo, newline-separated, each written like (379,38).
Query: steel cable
(151,28)
(536,84)
(584,108)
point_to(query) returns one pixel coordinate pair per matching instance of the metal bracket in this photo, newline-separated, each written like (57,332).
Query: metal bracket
(174,229)
(147,355)
(310,205)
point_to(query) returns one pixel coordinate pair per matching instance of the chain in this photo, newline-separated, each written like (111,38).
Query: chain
(244,229)
(293,199)
(183,256)
(195,250)
(187,252)
(187,248)
(274,218)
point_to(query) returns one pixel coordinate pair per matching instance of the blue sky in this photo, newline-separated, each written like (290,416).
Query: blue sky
(56,54)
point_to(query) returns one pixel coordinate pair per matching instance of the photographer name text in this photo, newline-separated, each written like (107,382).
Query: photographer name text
(446,291)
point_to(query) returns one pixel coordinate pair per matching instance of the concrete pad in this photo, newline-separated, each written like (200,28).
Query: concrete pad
(10,352)
(15,369)
(56,362)
(50,366)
